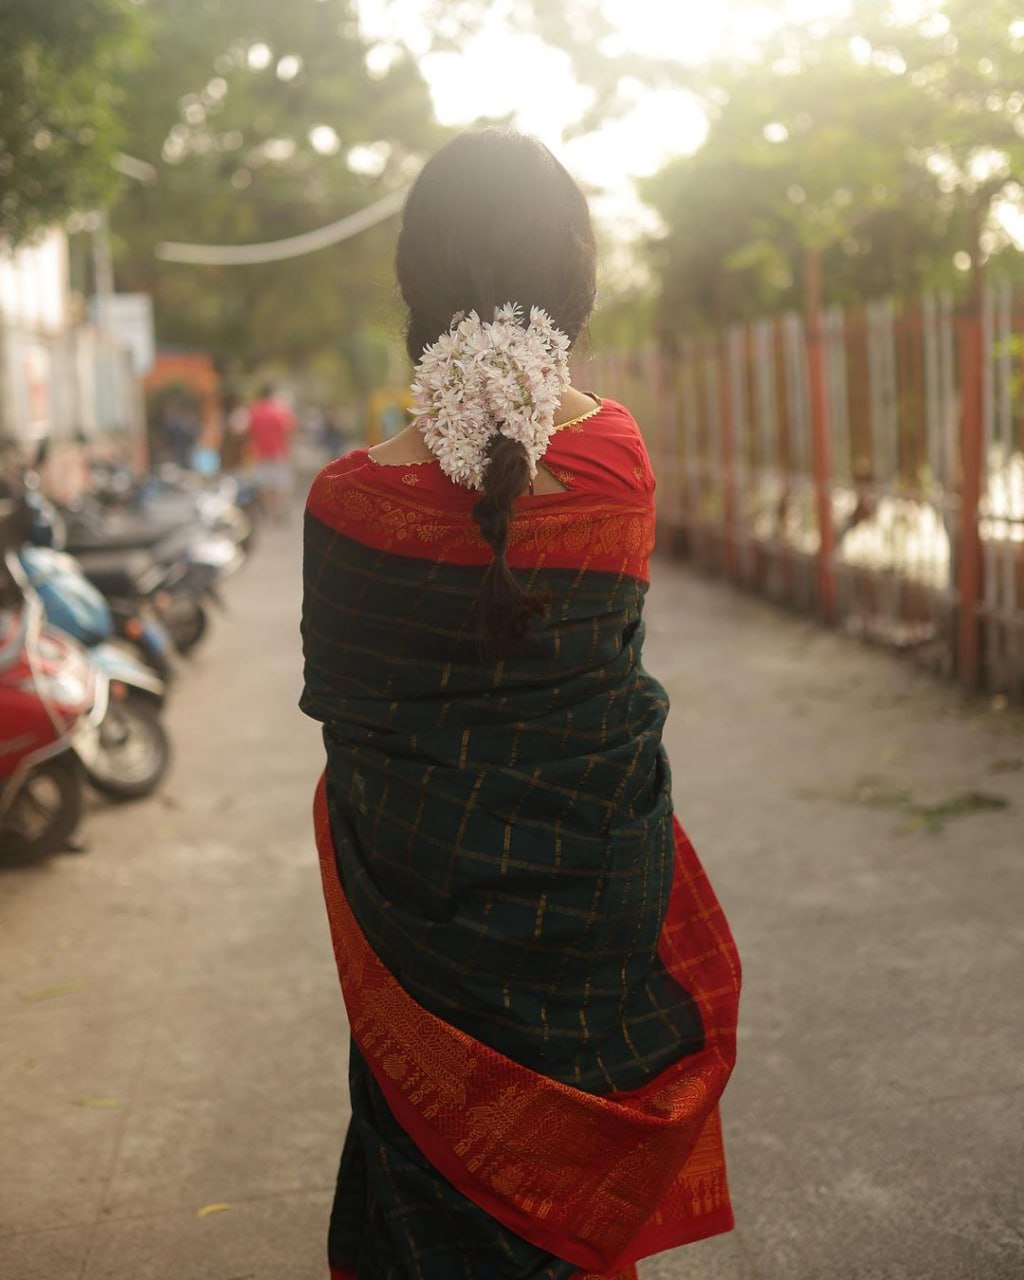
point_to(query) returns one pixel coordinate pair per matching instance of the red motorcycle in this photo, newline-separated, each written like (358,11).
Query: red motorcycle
(51,703)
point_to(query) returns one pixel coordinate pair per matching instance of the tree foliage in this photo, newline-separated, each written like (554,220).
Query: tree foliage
(885,142)
(262,120)
(886,148)
(61,63)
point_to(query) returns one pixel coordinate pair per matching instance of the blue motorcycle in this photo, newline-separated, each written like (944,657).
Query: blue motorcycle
(134,618)
(134,750)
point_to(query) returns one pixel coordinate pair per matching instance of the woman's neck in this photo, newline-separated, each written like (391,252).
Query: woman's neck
(408,446)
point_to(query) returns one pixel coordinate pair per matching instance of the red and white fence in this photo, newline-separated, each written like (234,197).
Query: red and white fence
(869,467)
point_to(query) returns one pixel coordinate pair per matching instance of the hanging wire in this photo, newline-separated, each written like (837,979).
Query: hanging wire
(240,255)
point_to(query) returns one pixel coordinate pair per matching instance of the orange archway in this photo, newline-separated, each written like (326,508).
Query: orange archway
(195,371)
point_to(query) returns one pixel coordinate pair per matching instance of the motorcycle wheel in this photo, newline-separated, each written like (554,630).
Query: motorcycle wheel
(187,626)
(134,751)
(46,811)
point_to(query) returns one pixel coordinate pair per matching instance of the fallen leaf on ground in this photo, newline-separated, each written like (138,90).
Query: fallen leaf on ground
(873,793)
(51,993)
(207,1209)
(933,817)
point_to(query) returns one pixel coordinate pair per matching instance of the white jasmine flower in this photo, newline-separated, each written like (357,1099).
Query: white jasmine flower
(479,379)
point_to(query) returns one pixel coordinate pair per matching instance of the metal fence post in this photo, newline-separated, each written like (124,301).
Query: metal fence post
(669,471)
(817,377)
(969,574)
(726,411)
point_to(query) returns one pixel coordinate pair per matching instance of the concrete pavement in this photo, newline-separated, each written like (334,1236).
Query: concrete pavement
(172,1064)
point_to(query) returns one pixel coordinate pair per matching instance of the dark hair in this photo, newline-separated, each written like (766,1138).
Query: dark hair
(266,391)
(494,218)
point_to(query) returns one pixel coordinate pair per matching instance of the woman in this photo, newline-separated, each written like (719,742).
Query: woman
(541,986)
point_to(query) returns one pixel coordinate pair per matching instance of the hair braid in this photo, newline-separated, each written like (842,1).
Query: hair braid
(505,609)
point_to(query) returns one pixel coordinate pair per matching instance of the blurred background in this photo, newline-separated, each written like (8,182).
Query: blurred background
(811,218)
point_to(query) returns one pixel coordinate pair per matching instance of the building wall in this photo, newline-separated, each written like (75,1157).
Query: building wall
(58,378)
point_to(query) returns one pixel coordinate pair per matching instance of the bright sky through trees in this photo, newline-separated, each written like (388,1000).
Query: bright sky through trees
(498,73)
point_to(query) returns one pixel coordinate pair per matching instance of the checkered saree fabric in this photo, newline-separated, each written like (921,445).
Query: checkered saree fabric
(504,837)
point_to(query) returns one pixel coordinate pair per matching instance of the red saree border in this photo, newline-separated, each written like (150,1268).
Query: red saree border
(599,1181)
(559,531)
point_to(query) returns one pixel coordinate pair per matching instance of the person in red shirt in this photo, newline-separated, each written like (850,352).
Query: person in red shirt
(271,425)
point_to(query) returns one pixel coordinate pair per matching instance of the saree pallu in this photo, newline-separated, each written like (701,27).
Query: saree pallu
(541,986)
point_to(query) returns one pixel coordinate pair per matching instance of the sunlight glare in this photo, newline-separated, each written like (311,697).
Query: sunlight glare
(516,76)
(289,67)
(369,161)
(259,56)
(397,21)
(664,123)
(465,86)
(324,140)
(689,30)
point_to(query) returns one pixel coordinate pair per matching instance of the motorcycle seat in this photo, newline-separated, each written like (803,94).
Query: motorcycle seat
(118,574)
(123,533)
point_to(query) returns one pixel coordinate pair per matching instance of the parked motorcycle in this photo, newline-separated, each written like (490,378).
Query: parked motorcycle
(52,701)
(171,567)
(135,618)
(128,625)
(177,590)
(224,506)
(134,751)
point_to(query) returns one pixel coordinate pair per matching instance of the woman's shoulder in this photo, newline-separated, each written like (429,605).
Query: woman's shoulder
(606,447)
(333,480)
(616,421)
(356,491)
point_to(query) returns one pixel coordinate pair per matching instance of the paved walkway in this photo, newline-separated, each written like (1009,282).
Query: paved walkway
(172,1064)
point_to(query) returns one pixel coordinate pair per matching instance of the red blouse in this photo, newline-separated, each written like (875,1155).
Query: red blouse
(603,520)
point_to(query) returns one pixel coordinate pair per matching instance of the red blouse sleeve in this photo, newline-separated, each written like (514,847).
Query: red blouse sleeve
(605,453)
(331,480)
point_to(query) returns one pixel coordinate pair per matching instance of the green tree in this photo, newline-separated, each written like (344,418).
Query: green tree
(61,62)
(261,121)
(880,143)
(811,160)
(966,62)
(884,148)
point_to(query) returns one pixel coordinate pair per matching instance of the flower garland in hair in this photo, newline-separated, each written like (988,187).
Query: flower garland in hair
(482,379)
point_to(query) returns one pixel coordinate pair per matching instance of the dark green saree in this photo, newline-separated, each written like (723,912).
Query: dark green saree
(502,870)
